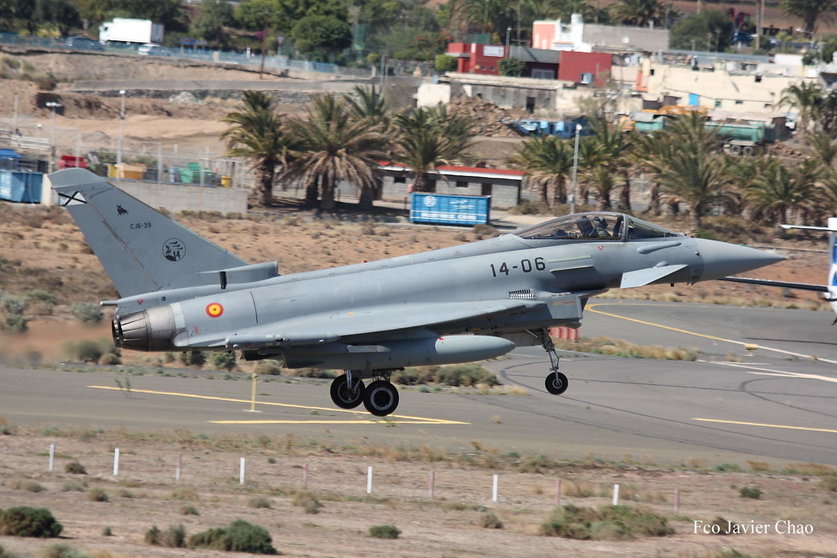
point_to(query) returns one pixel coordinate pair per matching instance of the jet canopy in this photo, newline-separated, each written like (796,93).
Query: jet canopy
(595,225)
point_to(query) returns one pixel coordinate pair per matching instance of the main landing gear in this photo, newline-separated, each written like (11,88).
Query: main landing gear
(556,383)
(379,398)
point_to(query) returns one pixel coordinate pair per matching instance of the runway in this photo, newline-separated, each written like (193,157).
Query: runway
(733,404)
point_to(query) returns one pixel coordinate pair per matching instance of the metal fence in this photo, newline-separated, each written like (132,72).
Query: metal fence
(46,148)
(277,63)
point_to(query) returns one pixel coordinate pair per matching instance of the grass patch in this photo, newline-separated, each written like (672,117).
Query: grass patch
(605,523)
(75,468)
(238,536)
(28,486)
(259,502)
(188,510)
(384,532)
(615,347)
(308,501)
(489,520)
(753,492)
(173,537)
(24,521)
(467,375)
(97,495)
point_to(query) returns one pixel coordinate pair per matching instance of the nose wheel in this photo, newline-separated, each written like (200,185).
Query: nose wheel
(556,382)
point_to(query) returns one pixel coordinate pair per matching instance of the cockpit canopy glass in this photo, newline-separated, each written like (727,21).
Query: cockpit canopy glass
(594,226)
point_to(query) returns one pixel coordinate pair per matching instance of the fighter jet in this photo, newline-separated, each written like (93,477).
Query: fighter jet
(829,289)
(180,292)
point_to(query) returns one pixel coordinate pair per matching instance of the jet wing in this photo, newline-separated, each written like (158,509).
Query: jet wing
(329,327)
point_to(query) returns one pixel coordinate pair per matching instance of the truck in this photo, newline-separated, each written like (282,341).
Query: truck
(130,31)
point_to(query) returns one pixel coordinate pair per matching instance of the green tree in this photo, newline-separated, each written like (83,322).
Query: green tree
(512,67)
(637,12)
(709,30)
(209,24)
(687,166)
(491,16)
(281,15)
(810,12)
(332,145)
(805,98)
(779,189)
(321,36)
(429,137)
(256,134)
(444,63)
(548,162)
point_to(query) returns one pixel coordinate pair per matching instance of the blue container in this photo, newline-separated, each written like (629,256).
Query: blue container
(449,210)
(21,186)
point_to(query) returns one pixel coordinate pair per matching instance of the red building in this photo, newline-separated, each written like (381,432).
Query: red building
(473,58)
(584,67)
(575,67)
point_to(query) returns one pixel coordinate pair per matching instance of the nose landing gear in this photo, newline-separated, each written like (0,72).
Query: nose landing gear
(556,382)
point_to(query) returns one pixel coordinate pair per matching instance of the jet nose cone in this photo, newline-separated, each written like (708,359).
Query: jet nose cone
(721,259)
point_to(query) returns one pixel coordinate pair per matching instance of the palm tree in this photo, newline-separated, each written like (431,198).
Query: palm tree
(331,145)
(637,12)
(609,159)
(256,134)
(824,149)
(810,11)
(779,189)
(369,102)
(429,137)
(804,98)
(548,162)
(687,166)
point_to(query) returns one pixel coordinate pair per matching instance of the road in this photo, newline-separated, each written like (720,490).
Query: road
(731,405)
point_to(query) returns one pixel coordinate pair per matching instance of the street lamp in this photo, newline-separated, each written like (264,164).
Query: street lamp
(121,126)
(508,32)
(54,106)
(574,185)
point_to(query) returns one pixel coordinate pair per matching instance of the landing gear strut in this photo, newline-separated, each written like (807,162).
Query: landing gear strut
(344,396)
(556,383)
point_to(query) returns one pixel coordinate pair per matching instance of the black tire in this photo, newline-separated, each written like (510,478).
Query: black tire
(342,396)
(380,398)
(556,383)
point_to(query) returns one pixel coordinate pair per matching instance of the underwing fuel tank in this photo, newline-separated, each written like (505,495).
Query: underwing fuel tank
(450,349)
(149,330)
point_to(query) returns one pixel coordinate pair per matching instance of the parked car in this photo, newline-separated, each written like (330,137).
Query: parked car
(150,49)
(84,43)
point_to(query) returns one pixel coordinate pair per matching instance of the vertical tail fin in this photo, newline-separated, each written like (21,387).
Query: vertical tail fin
(141,249)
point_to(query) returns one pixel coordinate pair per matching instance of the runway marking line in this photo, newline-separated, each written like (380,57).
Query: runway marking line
(591,308)
(405,419)
(755,370)
(765,425)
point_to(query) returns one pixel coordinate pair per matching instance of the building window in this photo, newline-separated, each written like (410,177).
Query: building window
(758,79)
(530,104)
(718,103)
(539,73)
(737,102)
(400,180)
(461,183)
(485,188)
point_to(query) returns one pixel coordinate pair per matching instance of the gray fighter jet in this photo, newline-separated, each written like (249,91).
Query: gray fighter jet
(180,292)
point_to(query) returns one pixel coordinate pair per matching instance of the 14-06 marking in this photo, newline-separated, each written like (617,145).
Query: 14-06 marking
(526,266)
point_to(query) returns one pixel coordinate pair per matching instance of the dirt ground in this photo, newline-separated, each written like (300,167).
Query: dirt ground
(145,493)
